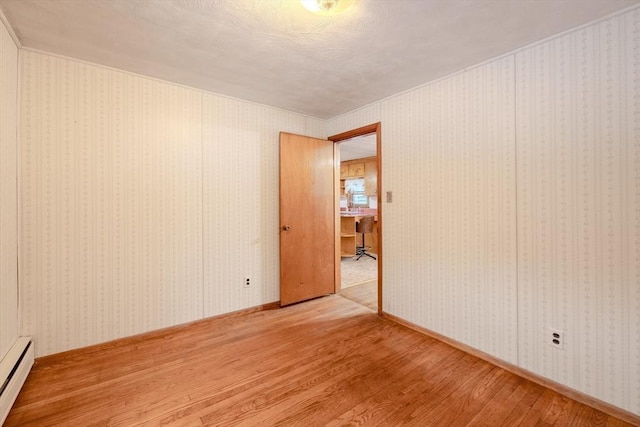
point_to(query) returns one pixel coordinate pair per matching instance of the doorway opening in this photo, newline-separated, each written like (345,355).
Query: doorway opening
(359,225)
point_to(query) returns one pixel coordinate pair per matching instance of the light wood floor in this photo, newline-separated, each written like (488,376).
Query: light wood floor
(328,361)
(365,294)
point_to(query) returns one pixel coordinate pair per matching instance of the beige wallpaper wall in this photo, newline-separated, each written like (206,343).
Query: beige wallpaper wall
(457,184)
(8,193)
(241,223)
(578,127)
(143,204)
(517,207)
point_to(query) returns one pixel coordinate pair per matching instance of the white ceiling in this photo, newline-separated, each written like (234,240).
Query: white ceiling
(276,53)
(359,147)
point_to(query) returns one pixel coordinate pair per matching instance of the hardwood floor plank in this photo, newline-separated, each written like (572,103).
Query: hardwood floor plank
(343,354)
(422,405)
(376,406)
(365,294)
(500,406)
(346,391)
(268,364)
(537,410)
(328,361)
(310,363)
(530,393)
(463,405)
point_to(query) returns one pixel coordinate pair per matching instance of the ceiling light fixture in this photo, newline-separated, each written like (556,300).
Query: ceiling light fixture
(326,7)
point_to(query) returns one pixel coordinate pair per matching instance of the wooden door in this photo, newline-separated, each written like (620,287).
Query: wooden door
(307,233)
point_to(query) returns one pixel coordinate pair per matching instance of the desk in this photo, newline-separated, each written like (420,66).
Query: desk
(349,239)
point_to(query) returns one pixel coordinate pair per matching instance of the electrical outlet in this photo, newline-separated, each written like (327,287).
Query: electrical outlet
(555,338)
(247,282)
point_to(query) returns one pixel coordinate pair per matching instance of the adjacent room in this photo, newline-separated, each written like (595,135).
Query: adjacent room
(320,212)
(359,220)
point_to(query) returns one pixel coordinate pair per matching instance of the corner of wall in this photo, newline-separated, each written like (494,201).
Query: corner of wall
(7,25)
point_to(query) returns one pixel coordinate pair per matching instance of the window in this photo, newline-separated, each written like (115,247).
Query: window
(354,189)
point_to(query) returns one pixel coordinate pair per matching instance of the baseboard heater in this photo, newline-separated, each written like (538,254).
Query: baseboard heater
(14,368)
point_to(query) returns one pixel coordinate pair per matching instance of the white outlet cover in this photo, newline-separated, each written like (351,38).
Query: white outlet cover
(560,337)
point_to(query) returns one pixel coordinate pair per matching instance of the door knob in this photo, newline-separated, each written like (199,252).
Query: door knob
(286,227)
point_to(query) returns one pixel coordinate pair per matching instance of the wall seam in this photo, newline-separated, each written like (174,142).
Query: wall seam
(515,192)
(202,236)
(17,184)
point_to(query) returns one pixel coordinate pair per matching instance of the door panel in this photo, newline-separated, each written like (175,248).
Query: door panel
(307,233)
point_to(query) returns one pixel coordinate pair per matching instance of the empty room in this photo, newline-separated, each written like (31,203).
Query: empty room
(320,212)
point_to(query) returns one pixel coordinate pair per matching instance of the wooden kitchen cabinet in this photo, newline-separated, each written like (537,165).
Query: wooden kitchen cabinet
(371,177)
(366,168)
(344,170)
(356,170)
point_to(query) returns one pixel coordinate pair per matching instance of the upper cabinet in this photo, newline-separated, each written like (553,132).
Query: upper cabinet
(362,168)
(353,168)
(344,170)
(371,177)
(356,169)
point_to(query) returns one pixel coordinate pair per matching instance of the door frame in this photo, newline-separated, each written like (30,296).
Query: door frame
(365,130)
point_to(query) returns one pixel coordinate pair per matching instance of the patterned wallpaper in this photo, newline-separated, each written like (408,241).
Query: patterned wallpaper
(143,204)
(578,127)
(241,200)
(517,207)
(355,119)
(110,186)
(8,193)
(450,233)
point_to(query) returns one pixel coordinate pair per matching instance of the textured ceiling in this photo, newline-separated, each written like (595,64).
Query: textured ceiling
(359,147)
(276,53)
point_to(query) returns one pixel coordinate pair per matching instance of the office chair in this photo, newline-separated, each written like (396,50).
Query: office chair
(365,225)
